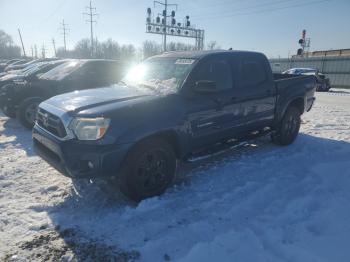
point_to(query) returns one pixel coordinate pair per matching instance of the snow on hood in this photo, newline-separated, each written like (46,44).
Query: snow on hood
(78,100)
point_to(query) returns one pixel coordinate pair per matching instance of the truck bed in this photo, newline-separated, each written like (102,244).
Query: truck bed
(290,86)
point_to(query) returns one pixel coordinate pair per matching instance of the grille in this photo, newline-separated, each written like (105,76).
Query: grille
(51,123)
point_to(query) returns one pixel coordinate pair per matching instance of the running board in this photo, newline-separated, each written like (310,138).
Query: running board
(199,157)
(222,148)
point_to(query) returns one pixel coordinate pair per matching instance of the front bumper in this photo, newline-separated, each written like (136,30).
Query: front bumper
(77,159)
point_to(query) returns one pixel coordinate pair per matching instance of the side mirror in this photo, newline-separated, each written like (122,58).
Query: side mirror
(205,86)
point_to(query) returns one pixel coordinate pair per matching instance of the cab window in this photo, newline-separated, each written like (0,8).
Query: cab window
(218,71)
(252,72)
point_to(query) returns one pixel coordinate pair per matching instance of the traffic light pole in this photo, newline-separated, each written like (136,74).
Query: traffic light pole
(165,14)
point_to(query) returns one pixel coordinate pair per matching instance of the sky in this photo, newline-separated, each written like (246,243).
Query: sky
(269,26)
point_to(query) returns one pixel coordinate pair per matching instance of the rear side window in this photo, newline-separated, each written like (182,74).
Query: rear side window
(218,71)
(252,72)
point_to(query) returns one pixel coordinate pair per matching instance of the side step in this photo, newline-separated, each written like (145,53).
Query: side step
(220,148)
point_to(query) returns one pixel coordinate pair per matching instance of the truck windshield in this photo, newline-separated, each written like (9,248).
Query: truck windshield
(61,71)
(163,75)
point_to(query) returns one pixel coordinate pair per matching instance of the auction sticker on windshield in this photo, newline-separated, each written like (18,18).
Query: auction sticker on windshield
(184,61)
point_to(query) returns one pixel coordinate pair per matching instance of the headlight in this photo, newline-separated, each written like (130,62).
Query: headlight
(89,128)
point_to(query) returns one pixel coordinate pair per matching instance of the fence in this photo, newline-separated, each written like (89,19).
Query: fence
(337,69)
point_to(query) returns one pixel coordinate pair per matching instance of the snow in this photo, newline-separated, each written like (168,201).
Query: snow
(259,202)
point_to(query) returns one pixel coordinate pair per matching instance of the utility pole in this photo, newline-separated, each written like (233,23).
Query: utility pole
(91,14)
(32,51)
(54,46)
(20,36)
(43,51)
(64,33)
(35,51)
(165,22)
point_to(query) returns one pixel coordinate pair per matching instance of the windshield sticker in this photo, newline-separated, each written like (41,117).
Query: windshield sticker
(184,61)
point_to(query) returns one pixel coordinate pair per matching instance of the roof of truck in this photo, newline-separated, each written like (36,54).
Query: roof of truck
(201,54)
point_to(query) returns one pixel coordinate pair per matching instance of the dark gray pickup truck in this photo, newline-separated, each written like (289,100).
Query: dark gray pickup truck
(171,107)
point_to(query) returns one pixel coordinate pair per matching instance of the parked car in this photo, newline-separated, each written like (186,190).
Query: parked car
(174,106)
(28,63)
(17,81)
(8,62)
(323,83)
(22,99)
(30,70)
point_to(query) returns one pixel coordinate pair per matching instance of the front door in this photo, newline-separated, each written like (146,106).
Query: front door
(211,115)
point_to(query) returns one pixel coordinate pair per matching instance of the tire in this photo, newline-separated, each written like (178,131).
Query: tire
(8,113)
(27,111)
(148,169)
(289,127)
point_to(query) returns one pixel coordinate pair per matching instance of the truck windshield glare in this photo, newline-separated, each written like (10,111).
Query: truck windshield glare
(162,75)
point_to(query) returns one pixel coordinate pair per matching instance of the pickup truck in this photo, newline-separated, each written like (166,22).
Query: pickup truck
(170,107)
(22,98)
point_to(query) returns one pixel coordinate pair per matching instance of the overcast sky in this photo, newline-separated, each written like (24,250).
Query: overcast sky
(269,26)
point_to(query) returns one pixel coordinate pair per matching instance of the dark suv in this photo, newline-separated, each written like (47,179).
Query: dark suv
(22,98)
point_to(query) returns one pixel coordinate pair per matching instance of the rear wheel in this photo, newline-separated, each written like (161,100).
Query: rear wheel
(27,110)
(148,169)
(289,127)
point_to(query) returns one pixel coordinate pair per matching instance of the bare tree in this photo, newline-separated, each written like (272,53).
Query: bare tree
(7,47)
(150,48)
(212,45)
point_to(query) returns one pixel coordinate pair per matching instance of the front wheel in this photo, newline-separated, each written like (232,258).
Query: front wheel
(27,110)
(148,169)
(289,127)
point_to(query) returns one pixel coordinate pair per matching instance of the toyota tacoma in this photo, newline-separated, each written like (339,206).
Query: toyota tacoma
(171,107)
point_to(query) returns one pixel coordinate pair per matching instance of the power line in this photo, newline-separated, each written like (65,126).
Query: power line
(234,14)
(91,14)
(245,8)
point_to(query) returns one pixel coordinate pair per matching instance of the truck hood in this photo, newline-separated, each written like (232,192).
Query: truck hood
(82,100)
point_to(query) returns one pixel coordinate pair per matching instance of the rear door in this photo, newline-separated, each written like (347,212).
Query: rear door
(255,92)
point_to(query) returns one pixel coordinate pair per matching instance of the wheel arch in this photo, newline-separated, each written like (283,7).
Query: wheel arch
(298,103)
(170,136)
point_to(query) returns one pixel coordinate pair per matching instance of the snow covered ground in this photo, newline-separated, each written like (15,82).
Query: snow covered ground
(259,203)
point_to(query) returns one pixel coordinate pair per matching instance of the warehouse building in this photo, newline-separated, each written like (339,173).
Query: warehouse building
(335,64)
